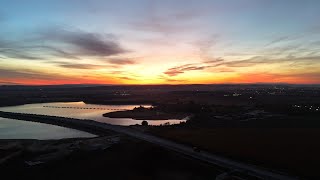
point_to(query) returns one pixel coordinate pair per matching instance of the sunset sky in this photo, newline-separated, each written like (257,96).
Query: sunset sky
(159,42)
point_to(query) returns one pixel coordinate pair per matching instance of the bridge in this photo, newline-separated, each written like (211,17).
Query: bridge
(75,107)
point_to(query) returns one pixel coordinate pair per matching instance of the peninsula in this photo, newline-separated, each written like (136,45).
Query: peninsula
(143,113)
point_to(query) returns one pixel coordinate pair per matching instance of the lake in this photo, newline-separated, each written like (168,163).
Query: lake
(81,110)
(16,129)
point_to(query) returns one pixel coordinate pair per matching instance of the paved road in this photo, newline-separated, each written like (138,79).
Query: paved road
(180,148)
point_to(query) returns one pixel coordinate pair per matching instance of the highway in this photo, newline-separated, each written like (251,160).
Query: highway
(207,157)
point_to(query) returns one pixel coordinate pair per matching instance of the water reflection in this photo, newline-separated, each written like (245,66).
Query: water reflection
(15,129)
(80,110)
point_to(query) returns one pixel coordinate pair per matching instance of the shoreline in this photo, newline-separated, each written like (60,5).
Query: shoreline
(84,101)
(146,114)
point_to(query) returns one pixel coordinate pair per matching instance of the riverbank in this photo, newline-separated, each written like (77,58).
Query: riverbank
(142,113)
(151,115)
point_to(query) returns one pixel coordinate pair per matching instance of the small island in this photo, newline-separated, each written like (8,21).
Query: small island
(143,113)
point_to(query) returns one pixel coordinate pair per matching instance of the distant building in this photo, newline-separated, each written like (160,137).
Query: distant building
(236,94)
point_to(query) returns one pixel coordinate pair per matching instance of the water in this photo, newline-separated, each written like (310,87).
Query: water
(80,110)
(15,129)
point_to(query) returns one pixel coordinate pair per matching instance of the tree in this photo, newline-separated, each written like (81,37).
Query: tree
(144,123)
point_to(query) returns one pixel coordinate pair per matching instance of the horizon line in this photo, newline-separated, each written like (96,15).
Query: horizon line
(167,84)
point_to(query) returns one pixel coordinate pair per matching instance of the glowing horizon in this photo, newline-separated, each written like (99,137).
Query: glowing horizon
(159,42)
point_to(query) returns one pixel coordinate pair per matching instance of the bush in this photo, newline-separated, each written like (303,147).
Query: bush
(144,123)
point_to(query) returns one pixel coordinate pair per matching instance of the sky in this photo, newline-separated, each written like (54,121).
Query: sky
(159,41)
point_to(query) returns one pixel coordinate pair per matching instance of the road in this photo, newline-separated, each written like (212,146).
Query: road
(203,156)
(207,157)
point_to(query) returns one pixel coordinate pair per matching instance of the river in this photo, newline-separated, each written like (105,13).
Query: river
(79,110)
(16,129)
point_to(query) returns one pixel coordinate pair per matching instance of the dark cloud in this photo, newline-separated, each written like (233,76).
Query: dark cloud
(58,42)
(84,43)
(79,66)
(173,72)
(126,78)
(179,69)
(26,74)
(119,61)
(221,65)
(19,51)
(6,49)
(82,65)
(193,67)
(31,51)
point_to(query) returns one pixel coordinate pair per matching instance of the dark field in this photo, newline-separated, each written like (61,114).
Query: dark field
(129,159)
(294,150)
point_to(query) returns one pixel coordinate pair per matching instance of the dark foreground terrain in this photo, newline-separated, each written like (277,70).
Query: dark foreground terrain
(276,126)
(126,159)
(291,150)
